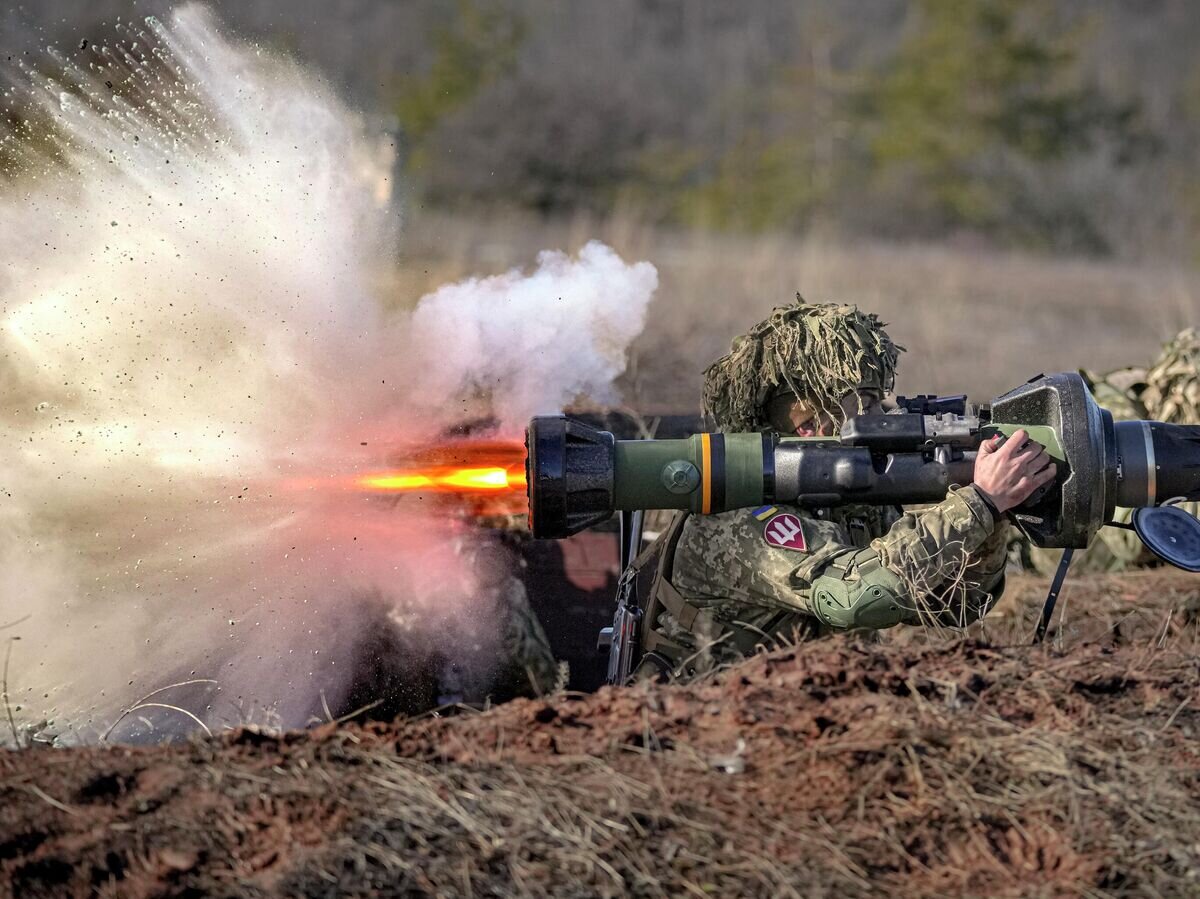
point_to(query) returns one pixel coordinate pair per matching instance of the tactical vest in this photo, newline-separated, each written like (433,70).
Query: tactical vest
(654,593)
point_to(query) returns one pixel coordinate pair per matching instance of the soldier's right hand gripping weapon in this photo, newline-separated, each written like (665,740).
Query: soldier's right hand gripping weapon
(578,476)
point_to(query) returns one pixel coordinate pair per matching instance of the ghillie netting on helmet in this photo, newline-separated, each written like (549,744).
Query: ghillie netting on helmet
(818,352)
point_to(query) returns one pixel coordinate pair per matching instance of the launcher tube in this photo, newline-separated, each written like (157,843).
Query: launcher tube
(704,473)
(579,476)
(709,473)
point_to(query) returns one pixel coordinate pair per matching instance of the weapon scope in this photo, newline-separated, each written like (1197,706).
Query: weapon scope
(579,476)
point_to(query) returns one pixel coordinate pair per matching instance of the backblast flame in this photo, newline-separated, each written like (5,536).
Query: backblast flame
(445,480)
(487,475)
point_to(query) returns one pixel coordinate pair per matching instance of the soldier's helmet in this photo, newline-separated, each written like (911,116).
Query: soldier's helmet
(1172,391)
(817,352)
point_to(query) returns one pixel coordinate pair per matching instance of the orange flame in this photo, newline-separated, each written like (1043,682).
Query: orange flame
(487,476)
(452,480)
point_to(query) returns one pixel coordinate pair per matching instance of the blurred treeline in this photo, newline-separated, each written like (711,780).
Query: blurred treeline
(1063,125)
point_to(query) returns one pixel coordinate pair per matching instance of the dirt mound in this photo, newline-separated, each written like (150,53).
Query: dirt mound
(916,766)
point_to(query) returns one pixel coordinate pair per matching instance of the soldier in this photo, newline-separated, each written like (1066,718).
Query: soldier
(715,587)
(528,665)
(483,645)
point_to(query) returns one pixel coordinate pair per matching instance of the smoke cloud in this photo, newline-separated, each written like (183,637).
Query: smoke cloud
(544,339)
(191,348)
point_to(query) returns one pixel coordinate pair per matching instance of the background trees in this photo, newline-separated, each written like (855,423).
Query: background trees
(1066,125)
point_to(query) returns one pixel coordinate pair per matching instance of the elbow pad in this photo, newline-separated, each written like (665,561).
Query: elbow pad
(867,595)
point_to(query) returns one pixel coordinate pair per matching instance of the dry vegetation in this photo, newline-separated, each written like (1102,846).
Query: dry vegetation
(916,766)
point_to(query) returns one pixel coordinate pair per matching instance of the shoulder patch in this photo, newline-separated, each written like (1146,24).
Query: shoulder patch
(762,513)
(786,532)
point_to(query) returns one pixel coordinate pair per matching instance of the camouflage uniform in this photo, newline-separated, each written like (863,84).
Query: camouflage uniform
(730,585)
(1172,391)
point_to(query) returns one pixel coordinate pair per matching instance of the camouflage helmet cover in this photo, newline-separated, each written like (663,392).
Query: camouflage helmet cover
(1172,391)
(819,352)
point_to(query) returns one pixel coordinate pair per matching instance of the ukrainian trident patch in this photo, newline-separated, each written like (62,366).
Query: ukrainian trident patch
(785,532)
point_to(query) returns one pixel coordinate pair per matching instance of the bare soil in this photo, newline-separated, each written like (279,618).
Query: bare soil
(920,764)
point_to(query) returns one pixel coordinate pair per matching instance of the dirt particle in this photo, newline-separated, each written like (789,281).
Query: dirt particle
(179,859)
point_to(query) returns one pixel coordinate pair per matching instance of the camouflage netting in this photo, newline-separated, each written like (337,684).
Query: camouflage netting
(818,352)
(1173,383)
(1119,391)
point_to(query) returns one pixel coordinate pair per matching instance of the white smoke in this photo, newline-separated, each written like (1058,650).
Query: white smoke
(190,346)
(544,339)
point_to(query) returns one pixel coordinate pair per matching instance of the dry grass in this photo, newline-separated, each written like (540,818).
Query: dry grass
(579,828)
(973,321)
(918,766)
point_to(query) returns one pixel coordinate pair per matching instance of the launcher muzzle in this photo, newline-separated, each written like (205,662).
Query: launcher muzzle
(579,476)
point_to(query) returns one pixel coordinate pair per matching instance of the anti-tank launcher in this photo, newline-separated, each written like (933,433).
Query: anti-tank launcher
(578,476)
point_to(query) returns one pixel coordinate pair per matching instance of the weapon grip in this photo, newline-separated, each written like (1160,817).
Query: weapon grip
(1033,432)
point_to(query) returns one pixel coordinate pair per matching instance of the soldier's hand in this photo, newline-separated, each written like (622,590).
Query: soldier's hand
(1008,471)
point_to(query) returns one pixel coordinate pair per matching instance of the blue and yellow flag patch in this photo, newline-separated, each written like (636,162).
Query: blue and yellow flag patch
(762,513)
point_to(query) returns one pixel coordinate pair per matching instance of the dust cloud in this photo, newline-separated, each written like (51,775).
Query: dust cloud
(194,356)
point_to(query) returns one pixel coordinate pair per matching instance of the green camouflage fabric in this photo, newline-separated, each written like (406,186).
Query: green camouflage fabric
(1119,392)
(1113,549)
(494,648)
(819,352)
(943,566)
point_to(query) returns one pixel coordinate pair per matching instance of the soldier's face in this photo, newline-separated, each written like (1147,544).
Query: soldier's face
(789,415)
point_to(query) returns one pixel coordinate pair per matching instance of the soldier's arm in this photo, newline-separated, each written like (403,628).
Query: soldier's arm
(984,580)
(948,559)
(944,564)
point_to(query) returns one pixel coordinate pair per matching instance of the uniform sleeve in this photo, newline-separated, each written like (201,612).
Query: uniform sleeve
(943,564)
(949,558)
(726,560)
